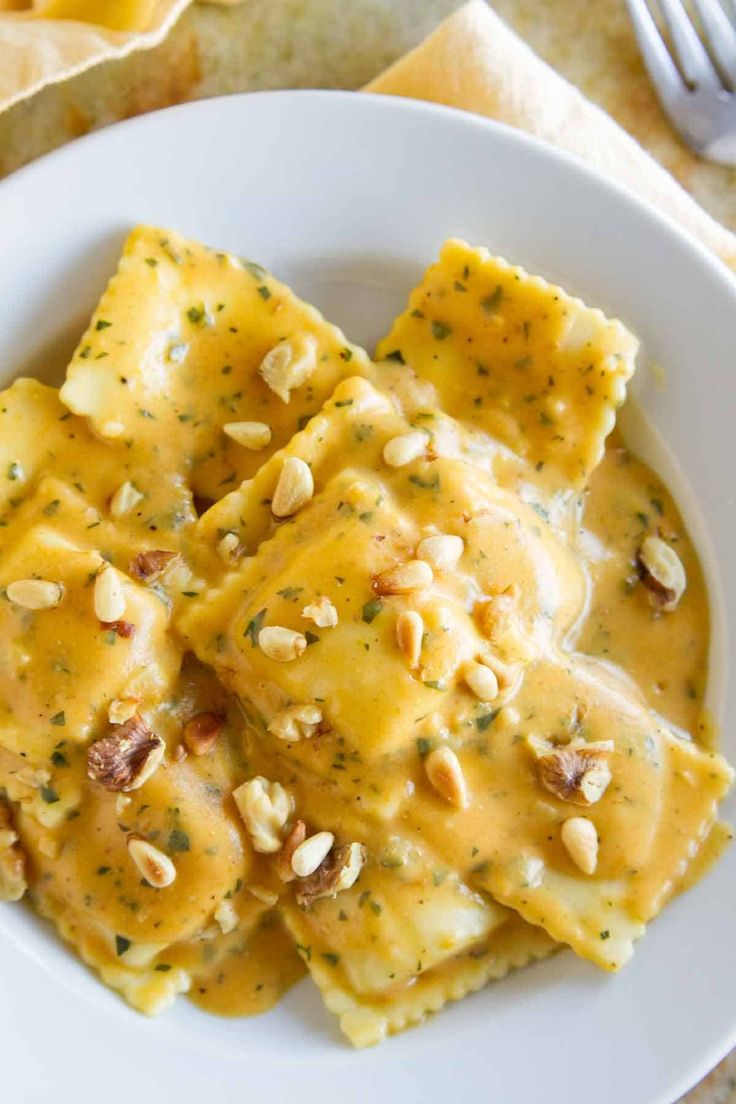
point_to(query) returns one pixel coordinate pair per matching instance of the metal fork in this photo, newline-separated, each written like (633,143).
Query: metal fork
(694,73)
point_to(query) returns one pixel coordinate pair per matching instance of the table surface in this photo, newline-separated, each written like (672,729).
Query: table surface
(343,44)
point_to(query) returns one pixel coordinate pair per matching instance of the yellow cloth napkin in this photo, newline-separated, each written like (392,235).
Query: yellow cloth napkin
(475,62)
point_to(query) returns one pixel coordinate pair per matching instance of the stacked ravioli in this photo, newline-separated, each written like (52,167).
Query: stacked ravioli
(294,670)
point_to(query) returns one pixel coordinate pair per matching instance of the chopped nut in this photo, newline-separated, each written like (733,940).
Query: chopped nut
(263,894)
(294,488)
(441,552)
(404,448)
(446,776)
(226,917)
(580,840)
(121,710)
(295,838)
(151,564)
(265,808)
(338,871)
(156,867)
(250,435)
(228,547)
(109,599)
(576,772)
(296,722)
(202,731)
(311,853)
(403,578)
(12,859)
(662,573)
(126,758)
(35,594)
(322,612)
(281,644)
(482,681)
(125,499)
(409,635)
(289,364)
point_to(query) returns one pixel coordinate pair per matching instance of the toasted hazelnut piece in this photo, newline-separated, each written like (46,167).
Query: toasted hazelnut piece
(126,758)
(125,499)
(482,681)
(441,552)
(109,598)
(35,594)
(322,612)
(311,853)
(250,435)
(265,808)
(295,838)
(662,573)
(446,776)
(580,839)
(294,487)
(149,565)
(121,710)
(201,732)
(226,917)
(404,448)
(228,546)
(12,859)
(403,578)
(296,722)
(281,644)
(409,635)
(156,867)
(289,364)
(578,773)
(338,871)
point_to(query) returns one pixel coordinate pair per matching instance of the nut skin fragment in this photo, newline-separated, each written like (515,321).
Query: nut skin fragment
(409,636)
(311,853)
(442,552)
(156,867)
(283,645)
(12,859)
(265,808)
(109,598)
(289,364)
(296,722)
(35,594)
(322,612)
(250,435)
(446,776)
(202,731)
(578,774)
(338,871)
(151,564)
(294,487)
(580,840)
(126,758)
(404,448)
(124,629)
(403,578)
(661,573)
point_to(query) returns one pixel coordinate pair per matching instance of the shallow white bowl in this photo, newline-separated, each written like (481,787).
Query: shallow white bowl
(349,197)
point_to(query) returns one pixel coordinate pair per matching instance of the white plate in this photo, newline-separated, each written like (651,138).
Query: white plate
(349,197)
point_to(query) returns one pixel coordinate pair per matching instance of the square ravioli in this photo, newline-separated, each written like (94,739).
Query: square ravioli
(324,577)
(516,357)
(175,352)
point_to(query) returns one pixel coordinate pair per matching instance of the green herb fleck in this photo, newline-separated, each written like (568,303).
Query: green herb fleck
(330,957)
(102,324)
(121,944)
(441,330)
(178,840)
(396,355)
(483,722)
(424,746)
(15,471)
(264,292)
(49,795)
(492,302)
(371,610)
(59,718)
(430,483)
(253,627)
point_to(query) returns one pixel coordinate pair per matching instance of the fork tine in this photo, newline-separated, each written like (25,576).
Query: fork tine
(720,37)
(664,73)
(692,55)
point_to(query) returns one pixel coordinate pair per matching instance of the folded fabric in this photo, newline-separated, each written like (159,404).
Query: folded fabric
(475,62)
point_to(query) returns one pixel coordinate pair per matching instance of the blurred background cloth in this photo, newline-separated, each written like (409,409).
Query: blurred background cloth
(70,66)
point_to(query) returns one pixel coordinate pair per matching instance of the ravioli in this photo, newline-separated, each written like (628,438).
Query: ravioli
(173,351)
(516,357)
